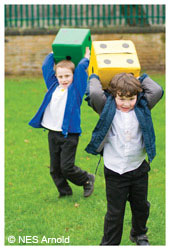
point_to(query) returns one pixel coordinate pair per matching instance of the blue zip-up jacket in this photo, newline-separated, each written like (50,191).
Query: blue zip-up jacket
(76,91)
(105,105)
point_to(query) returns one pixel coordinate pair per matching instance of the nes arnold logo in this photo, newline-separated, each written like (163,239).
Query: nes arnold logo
(35,240)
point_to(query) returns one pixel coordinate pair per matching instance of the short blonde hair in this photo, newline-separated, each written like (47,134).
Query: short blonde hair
(65,64)
(124,84)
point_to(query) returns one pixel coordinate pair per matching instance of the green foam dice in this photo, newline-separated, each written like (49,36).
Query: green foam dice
(71,44)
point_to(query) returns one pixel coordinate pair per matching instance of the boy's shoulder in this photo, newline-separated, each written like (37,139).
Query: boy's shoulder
(142,102)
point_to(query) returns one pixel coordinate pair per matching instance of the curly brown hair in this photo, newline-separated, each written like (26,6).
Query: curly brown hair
(124,84)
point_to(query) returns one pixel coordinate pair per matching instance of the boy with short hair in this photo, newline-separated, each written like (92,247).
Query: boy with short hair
(60,114)
(124,135)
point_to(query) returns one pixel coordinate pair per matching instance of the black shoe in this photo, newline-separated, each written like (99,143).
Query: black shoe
(141,240)
(89,186)
(67,193)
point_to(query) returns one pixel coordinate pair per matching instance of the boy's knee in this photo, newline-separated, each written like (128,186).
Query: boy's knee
(65,172)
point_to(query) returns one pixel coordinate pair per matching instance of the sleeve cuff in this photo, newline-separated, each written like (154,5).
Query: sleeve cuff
(142,77)
(94,76)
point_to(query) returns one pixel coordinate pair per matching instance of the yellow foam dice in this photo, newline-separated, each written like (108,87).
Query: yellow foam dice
(109,58)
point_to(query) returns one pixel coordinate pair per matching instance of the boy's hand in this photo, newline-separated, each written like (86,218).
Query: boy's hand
(87,53)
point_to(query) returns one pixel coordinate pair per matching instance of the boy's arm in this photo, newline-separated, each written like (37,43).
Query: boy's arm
(96,97)
(153,91)
(48,70)
(80,74)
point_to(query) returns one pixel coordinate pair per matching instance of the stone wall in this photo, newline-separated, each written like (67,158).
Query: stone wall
(25,54)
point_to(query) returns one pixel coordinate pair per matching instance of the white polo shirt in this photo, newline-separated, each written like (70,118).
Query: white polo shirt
(54,112)
(124,149)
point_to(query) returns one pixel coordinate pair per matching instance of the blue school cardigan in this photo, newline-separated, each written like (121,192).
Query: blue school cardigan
(76,91)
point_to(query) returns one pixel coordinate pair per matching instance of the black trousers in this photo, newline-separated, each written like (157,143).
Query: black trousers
(131,186)
(62,157)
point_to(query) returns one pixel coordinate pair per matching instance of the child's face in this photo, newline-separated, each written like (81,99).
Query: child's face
(125,104)
(64,76)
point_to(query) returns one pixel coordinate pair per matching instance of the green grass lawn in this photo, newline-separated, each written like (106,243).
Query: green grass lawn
(32,207)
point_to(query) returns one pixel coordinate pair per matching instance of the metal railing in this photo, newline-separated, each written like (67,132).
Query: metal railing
(43,16)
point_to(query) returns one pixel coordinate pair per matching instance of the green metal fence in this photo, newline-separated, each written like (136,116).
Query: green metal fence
(83,15)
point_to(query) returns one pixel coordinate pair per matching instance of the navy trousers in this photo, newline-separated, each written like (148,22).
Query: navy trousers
(133,187)
(62,161)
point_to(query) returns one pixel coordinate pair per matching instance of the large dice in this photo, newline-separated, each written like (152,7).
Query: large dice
(109,58)
(70,44)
